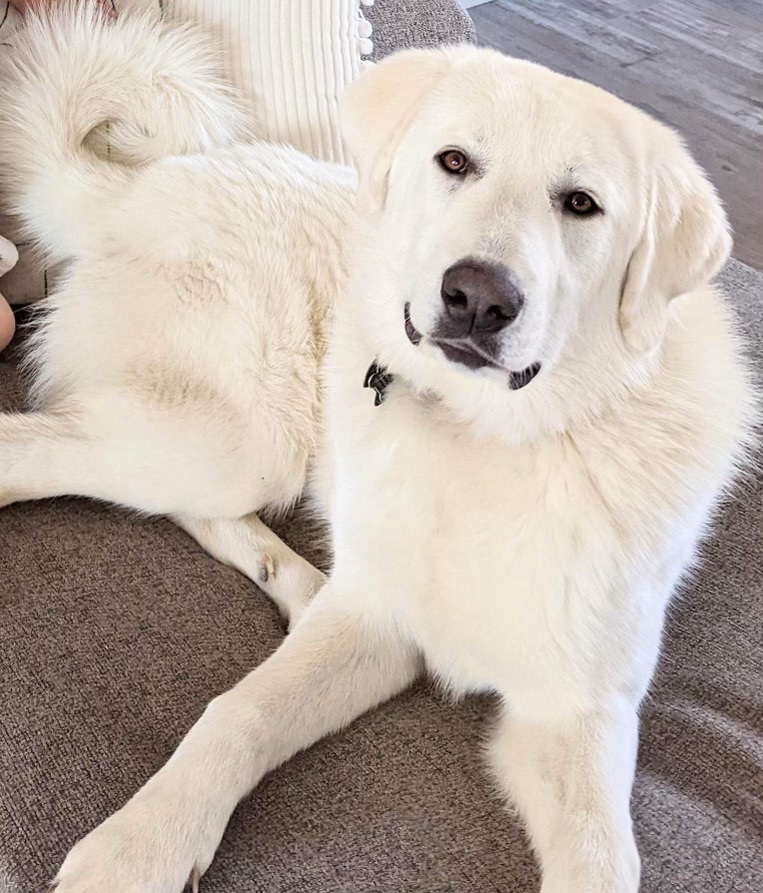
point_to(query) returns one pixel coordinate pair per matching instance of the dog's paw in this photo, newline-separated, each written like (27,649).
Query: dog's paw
(618,873)
(140,849)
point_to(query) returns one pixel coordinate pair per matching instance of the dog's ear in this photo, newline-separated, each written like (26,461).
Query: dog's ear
(684,241)
(377,109)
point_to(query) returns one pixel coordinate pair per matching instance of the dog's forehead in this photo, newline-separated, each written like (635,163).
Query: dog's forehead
(518,110)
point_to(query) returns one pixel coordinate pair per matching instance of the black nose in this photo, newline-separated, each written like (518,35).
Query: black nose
(480,297)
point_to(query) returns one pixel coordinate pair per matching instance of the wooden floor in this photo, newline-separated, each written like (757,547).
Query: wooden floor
(695,64)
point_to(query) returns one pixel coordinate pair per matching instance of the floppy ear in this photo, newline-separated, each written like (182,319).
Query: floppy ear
(377,109)
(685,240)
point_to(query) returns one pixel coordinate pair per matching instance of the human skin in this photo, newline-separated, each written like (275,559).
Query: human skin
(8,258)
(7,323)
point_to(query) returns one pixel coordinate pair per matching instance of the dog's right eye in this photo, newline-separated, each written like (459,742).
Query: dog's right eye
(581,204)
(453,161)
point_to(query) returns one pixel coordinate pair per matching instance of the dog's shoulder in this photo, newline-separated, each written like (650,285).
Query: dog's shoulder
(661,457)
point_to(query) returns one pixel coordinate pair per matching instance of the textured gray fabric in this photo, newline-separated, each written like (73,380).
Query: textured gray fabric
(417,23)
(115,632)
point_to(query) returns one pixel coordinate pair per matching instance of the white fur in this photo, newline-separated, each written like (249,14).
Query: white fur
(524,542)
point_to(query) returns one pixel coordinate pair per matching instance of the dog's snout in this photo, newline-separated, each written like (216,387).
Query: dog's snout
(480,297)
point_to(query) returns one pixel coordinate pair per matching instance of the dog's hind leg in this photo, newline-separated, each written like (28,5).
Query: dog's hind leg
(29,444)
(64,452)
(44,454)
(114,449)
(253,549)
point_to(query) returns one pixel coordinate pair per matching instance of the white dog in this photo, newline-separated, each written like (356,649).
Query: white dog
(555,402)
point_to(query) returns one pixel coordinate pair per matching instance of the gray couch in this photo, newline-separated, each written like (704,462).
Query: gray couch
(116,631)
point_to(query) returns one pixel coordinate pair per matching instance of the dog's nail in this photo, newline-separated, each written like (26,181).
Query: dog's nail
(267,569)
(193,880)
(51,887)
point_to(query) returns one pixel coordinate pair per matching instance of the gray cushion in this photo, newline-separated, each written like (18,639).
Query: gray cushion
(115,631)
(417,23)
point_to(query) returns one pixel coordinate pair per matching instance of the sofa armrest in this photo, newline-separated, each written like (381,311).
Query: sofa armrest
(403,24)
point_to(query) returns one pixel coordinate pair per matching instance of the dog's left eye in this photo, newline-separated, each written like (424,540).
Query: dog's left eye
(454,161)
(581,204)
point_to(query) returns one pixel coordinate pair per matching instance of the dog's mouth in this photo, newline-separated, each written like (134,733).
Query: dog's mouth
(414,336)
(519,380)
(468,354)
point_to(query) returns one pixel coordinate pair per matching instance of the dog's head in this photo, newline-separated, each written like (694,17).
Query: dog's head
(524,232)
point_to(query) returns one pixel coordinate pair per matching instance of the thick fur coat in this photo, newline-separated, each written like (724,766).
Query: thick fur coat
(517,512)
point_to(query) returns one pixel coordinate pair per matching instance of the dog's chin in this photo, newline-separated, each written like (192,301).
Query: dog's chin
(465,355)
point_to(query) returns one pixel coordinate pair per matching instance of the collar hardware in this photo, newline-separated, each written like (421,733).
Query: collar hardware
(378,379)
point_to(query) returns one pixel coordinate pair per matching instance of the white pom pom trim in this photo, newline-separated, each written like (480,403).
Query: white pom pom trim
(364,32)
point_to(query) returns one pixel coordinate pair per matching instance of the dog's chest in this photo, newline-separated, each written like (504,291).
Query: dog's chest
(477,548)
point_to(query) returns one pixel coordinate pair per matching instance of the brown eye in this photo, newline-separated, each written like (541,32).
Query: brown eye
(453,161)
(580,203)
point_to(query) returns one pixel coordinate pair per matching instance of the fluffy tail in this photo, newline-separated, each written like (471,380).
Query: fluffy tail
(85,99)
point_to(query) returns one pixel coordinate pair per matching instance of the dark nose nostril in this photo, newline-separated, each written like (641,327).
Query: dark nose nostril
(456,300)
(498,313)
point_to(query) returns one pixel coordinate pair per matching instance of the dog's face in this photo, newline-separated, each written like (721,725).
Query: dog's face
(528,228)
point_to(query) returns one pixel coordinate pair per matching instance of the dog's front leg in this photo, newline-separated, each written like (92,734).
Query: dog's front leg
(334,666)
(571,774)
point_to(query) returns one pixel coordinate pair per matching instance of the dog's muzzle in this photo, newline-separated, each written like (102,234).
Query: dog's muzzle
(468,354)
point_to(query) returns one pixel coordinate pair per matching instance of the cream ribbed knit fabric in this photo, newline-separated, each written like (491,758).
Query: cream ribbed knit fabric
(293,58)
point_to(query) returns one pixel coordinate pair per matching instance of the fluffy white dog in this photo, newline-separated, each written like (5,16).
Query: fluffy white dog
(555,402)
